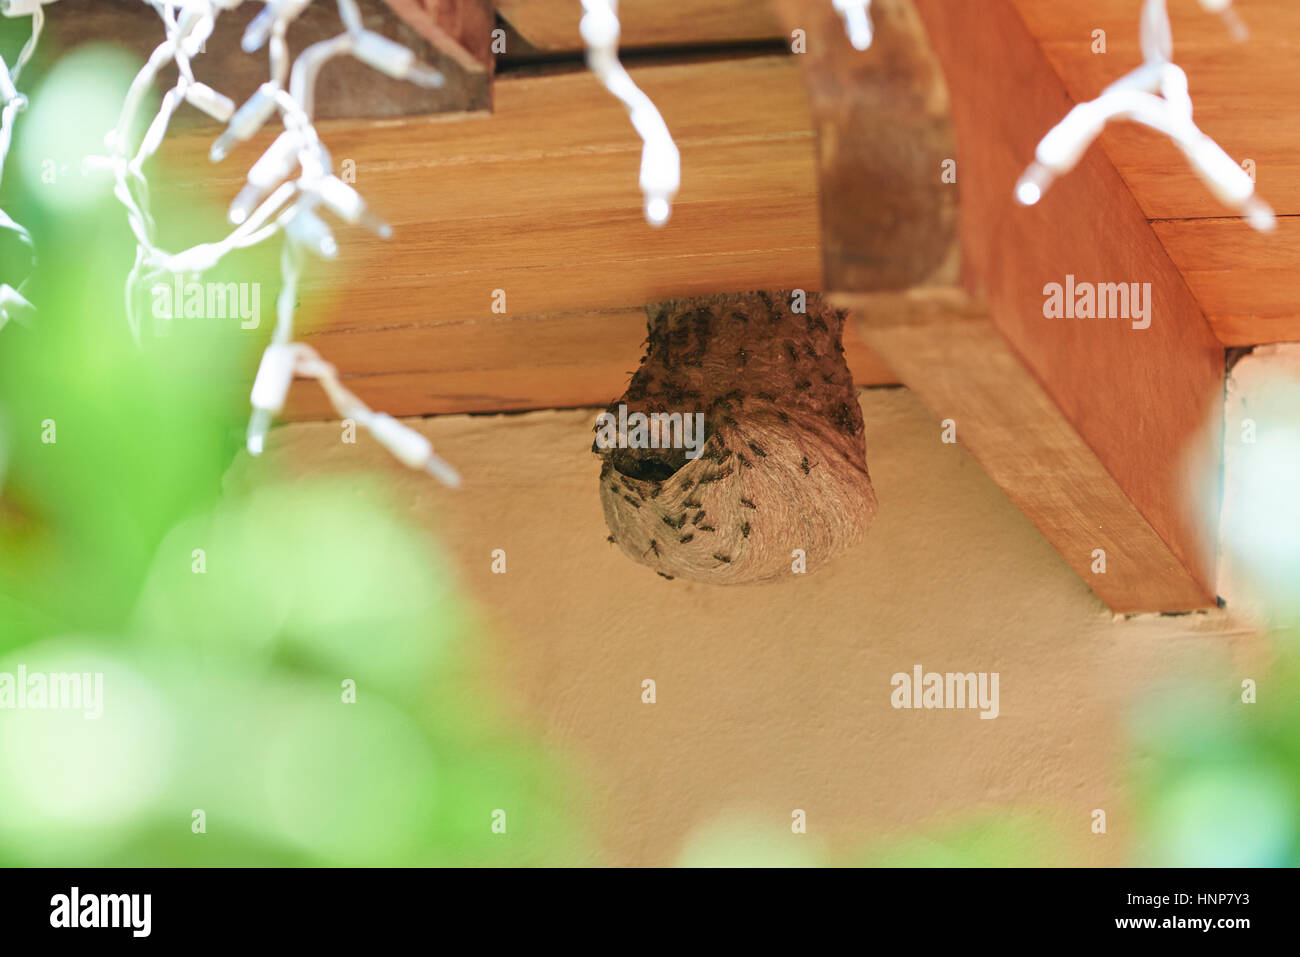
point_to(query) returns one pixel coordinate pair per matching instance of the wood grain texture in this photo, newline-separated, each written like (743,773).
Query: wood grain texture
(540,199)
(1148,403)
(1245,96)
(1249,286)
(551,25)
(505,363)
(949,352)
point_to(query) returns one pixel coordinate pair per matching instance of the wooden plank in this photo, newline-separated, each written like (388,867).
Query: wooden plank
(540,200)
(461,29)
(552,26)
(506,364)
(1249,286)
(948,351)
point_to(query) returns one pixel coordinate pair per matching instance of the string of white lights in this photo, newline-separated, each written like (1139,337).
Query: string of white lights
(857,21)
(13,304)
(661,165)
(286,188)
(1155,95)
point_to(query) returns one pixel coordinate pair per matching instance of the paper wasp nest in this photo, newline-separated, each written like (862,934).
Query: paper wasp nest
(782,465)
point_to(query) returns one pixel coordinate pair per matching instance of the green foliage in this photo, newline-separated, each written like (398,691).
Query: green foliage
(231,628)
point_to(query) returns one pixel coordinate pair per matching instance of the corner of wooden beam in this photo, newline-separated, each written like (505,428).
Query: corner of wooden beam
(946,348)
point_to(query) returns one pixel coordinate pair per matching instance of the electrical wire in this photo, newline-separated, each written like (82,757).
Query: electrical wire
(286,188)
(1154,95)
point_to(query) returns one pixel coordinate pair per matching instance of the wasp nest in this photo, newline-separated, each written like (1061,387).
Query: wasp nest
(779,475)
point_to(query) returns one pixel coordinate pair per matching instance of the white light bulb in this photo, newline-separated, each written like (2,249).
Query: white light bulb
(1028,193)
(658,211)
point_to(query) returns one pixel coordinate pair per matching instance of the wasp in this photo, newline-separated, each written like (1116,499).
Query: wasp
(722,558)
(757,450)
(747,503)
(807,469)
(842,416)
(662,575)
(688,537)
(744,529)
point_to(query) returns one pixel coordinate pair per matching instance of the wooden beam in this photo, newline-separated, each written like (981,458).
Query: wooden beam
(1147,402)
(461,29)
(523,201)
(506,363)
(552,26)
(1086,424)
